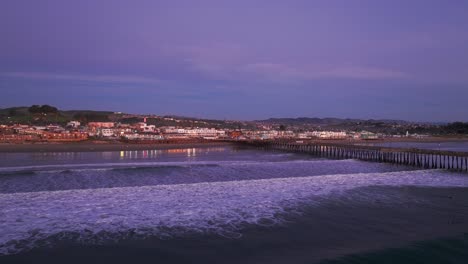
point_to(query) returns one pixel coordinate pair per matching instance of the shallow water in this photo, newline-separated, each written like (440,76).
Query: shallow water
(225,205)
(459,146)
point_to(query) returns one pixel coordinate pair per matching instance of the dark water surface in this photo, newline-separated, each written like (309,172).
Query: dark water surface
(226,205)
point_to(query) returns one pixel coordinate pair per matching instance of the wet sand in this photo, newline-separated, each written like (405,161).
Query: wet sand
(90,146)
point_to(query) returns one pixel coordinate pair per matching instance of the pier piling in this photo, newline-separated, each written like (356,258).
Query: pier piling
(420,158)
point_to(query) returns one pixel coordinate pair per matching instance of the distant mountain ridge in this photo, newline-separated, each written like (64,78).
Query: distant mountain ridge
(327,121)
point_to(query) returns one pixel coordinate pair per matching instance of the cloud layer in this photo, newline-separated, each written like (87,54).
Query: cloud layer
(238,59)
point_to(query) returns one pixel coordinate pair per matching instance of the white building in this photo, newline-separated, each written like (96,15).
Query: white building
(368,135)
(143,127)
(73,124)
(143,137)
(328,134)
(303,135)
(205,132)
(106,132)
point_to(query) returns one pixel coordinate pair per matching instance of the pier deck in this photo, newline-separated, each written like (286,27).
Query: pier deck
(421,158)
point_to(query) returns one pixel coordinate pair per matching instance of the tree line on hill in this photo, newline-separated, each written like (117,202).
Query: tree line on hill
(456,128)
(42,109)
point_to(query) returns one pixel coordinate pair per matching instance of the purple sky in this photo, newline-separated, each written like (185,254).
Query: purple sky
(239,59)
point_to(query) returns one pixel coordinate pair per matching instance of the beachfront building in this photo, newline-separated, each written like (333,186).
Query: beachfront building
(143,127)
(286,134)
(143,137)
(101,125)
(328,134)
(269,134)
(20,128)
(106,132)
(261,134)
(55,128)
(303,136)
(368,135)
(64,137)
(174,133)
(73,124)
(235,134)
(205,133)
(16,138)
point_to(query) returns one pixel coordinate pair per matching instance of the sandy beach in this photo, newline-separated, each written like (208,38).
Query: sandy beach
(90,146)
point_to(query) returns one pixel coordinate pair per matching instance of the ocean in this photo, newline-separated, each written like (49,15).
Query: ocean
(226,204)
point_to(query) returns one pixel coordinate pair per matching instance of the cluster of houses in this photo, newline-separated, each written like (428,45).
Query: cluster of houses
(51,133)
(75,131)
(326,135)
(143,131)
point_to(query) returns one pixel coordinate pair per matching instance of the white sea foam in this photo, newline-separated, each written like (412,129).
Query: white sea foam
(217,207)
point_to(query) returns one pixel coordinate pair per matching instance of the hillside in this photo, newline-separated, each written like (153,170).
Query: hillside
(23,115)
(52,115)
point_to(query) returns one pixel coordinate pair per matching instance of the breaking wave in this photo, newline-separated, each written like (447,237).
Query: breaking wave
(29,220)
(147,165)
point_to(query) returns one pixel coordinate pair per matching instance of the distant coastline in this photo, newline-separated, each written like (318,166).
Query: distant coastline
(401,139)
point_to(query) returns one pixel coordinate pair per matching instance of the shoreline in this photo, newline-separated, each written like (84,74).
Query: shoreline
(96,147)
(92,146)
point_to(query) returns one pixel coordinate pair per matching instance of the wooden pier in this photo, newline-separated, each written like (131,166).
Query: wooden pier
(421,158)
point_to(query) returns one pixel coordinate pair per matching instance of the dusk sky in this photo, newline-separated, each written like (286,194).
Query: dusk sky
(239,59)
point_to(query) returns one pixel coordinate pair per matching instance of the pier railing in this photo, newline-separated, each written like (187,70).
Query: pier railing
(421,158)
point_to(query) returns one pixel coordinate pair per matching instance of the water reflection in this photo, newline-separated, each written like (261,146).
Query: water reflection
(22,159)
(154,153)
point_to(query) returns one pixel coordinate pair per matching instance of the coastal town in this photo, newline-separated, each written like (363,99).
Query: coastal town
(74,131)
(142,132)
(42,124)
